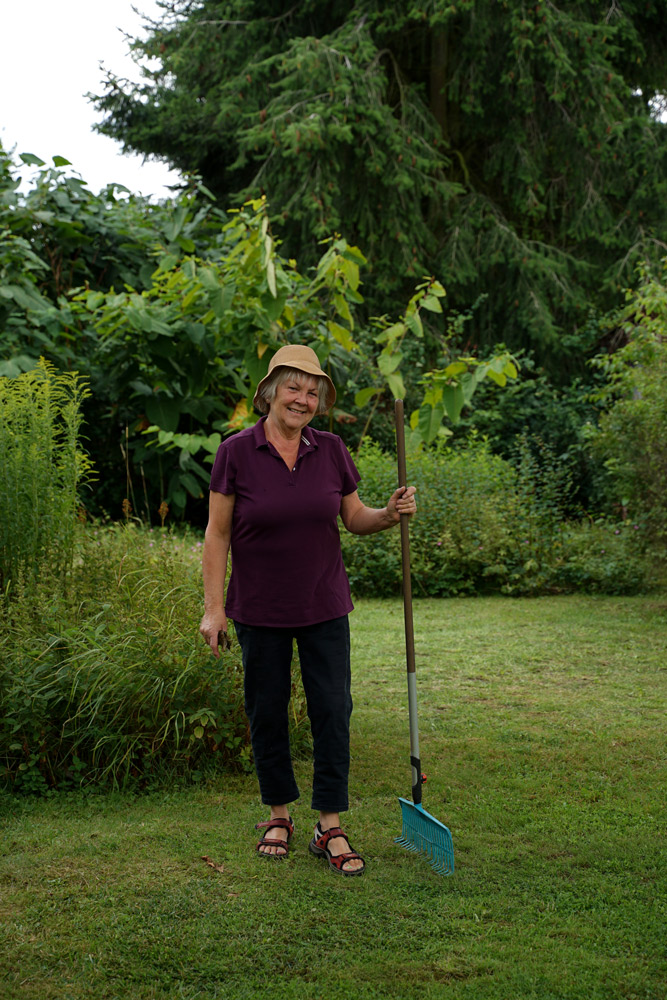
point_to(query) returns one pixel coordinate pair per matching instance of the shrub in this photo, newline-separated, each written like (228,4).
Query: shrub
(459,534)
(631,437)
(602,557)
(485,525)
(538,406)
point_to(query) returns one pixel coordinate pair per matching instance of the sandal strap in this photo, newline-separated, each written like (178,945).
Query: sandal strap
(339,859)
(327,835)
(284,824)
(271,842)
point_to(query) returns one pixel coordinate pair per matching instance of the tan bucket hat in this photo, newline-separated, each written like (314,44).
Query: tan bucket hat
(303,359)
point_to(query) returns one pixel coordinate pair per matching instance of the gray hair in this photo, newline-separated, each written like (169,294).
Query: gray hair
(283,374)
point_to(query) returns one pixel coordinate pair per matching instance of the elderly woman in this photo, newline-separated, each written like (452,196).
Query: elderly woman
(276,492)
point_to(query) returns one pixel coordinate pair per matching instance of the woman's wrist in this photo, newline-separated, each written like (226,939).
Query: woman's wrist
(390,517)
(214,607)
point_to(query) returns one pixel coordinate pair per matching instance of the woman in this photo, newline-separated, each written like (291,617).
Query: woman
(276,492)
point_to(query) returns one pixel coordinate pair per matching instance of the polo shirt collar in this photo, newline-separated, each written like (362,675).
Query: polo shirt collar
(308,437)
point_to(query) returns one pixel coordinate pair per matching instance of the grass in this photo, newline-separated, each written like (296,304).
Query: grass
(543,736)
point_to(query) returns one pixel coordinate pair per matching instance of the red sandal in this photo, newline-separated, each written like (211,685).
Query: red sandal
(319,847)
(284,824)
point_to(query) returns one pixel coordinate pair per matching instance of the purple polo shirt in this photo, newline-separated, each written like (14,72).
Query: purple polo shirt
(287,567)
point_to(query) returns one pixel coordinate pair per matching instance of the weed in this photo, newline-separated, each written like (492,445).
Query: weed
(41,470)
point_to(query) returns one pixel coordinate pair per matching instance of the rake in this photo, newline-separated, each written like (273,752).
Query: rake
(421,833)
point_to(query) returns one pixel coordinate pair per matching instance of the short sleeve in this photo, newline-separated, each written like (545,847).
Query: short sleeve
(350,474)
(223,474)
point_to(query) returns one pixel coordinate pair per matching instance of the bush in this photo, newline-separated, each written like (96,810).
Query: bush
(602,557)
(631,438)
(458,538)
(536,405)
(485,525)
(116,686)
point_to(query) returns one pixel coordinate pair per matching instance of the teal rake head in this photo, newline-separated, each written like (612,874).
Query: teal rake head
(426,835)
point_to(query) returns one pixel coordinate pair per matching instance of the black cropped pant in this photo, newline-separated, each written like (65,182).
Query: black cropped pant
(324,657)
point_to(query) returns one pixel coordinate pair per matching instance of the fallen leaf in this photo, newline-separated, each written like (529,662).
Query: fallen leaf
(211,863)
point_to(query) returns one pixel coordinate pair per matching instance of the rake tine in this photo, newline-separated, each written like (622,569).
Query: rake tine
(424,834)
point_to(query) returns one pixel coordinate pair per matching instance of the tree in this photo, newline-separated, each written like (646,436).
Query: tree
(176,345)
(510,148)
(57,238)
(58,235)
(184,356)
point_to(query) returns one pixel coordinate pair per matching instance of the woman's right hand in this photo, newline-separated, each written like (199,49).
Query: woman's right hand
(211,625)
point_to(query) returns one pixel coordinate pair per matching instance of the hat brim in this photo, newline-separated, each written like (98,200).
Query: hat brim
(303,366)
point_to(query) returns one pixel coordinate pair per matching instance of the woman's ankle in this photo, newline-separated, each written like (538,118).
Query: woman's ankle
(328,821)
(279,812)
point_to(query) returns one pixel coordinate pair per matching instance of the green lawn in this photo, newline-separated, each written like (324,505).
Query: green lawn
(543,736)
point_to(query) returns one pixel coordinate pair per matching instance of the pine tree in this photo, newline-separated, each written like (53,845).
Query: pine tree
(512,149)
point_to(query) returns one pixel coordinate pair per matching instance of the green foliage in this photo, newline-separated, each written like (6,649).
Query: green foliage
(292,93)
(631,437)
(59,237)
(498,145)
(185,355)
(177,348)
(487,525)
(459,495)
(537,406)
(606,558)
(100,240)
(42,471)
(115,687)
(194,345)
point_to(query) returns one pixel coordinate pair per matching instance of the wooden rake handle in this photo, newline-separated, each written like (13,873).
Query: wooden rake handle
(415,763)
(405,540)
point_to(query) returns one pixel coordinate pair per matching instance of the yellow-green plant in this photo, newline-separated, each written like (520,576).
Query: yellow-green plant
(42,467)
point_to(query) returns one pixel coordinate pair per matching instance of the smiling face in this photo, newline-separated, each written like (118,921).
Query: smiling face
(294,404)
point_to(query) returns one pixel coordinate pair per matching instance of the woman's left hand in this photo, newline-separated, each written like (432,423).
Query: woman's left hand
(402,501)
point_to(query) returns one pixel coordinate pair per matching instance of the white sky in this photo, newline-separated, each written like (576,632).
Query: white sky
(50,54)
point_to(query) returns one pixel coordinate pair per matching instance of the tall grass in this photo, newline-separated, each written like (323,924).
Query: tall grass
(111,683)
(41,469)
